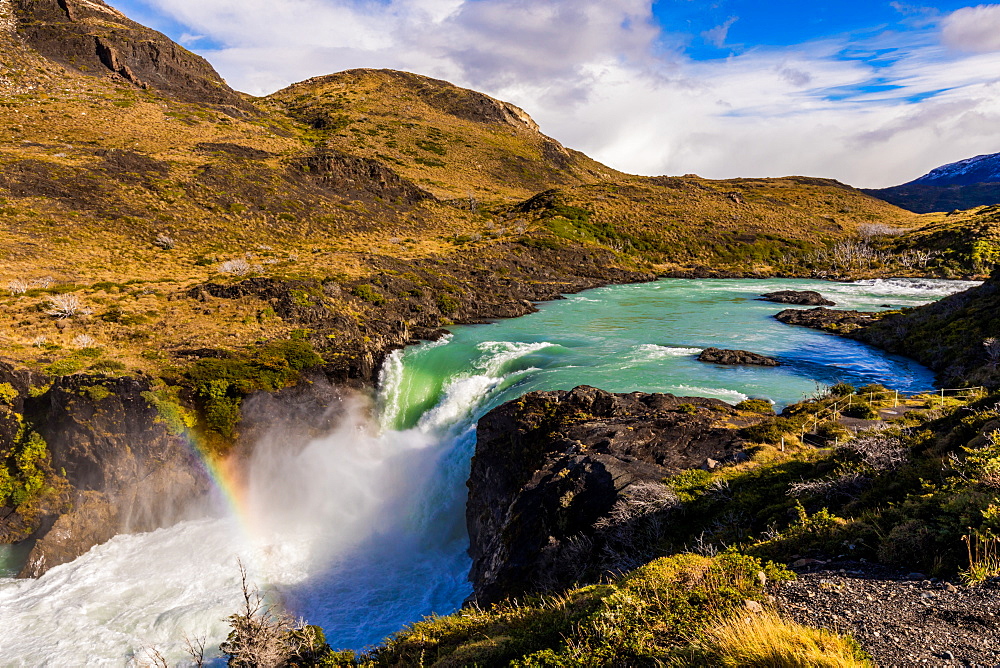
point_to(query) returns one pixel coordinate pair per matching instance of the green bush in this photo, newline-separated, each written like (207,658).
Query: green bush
(447,304)
(65,366)
(769,431)
(220,384)
(171,413)
(762,406)
(7,393)
(95,392)
(861,411)
(23,473)
(842,389)
(369,294)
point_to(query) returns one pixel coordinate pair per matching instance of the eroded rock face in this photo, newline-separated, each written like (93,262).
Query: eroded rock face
(736,357)
(95,38)
(126,470)
(567,486)
(800,297)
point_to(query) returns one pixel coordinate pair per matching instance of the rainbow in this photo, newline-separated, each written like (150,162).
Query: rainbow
(227,479)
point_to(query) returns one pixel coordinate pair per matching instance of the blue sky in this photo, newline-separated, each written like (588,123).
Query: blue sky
(871,93)
(786,22)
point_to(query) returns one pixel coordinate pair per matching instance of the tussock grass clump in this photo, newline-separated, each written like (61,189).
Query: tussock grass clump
(768,640)
(656,614)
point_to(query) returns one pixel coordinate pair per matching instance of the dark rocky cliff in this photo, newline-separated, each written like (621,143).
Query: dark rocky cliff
(125,469)
(97,39)
(568,486)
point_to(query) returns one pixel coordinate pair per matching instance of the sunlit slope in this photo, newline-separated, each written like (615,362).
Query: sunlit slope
(736,225)
(452,141)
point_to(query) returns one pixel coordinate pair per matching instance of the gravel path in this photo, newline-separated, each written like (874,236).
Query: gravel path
(900,619)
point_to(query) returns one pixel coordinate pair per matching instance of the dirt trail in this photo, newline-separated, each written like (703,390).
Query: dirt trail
(900,619)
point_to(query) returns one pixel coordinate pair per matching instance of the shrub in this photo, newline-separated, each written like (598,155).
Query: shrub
(176,418)
(23,475)
(762,406)
(65,366)
(164,242)
(861,411)
(447,303)
(833,431)
(264,635)
(239,267)
(95,392)
(879,451)
(66,306)
(769,431)
(220,384)
(84,341)
(369,294)
(842,389)
(874,391)
(7,393)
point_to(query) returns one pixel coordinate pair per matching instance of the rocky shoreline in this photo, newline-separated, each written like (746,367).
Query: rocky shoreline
(567,487)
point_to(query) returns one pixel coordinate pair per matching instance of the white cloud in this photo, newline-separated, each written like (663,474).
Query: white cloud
(717,35)
(596,75)
(975,29)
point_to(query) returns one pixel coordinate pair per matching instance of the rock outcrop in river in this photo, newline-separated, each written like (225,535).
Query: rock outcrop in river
(568,486)
(840,322)
(800,297)
(736,357)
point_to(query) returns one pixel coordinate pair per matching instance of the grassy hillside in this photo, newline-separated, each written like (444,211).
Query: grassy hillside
(455,143)
(354,211)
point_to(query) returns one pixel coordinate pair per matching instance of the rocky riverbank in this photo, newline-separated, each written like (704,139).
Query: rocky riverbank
(568,486)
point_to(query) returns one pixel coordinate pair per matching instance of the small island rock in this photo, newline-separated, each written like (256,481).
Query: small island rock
(826,319)
(800,297)
(736,357)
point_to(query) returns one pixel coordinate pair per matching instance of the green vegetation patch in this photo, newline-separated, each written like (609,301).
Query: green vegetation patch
(219,385)
(369,294)
(26,476)
(654,614)
(7,393)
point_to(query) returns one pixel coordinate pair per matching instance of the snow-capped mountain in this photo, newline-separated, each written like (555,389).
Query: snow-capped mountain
(981,169)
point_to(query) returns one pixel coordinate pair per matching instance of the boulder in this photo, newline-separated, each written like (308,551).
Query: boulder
(826,319)
(800,297)
(736,357)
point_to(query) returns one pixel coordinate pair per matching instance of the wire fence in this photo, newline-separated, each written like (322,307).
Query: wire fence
(836,409)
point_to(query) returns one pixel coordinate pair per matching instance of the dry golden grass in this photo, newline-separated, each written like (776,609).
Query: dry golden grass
(70,212)
(766,640)
(393,117)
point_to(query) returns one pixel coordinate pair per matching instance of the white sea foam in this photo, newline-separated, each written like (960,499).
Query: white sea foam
(464,393)
(727,395)
(346,515)
(651,352)
(916,286)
